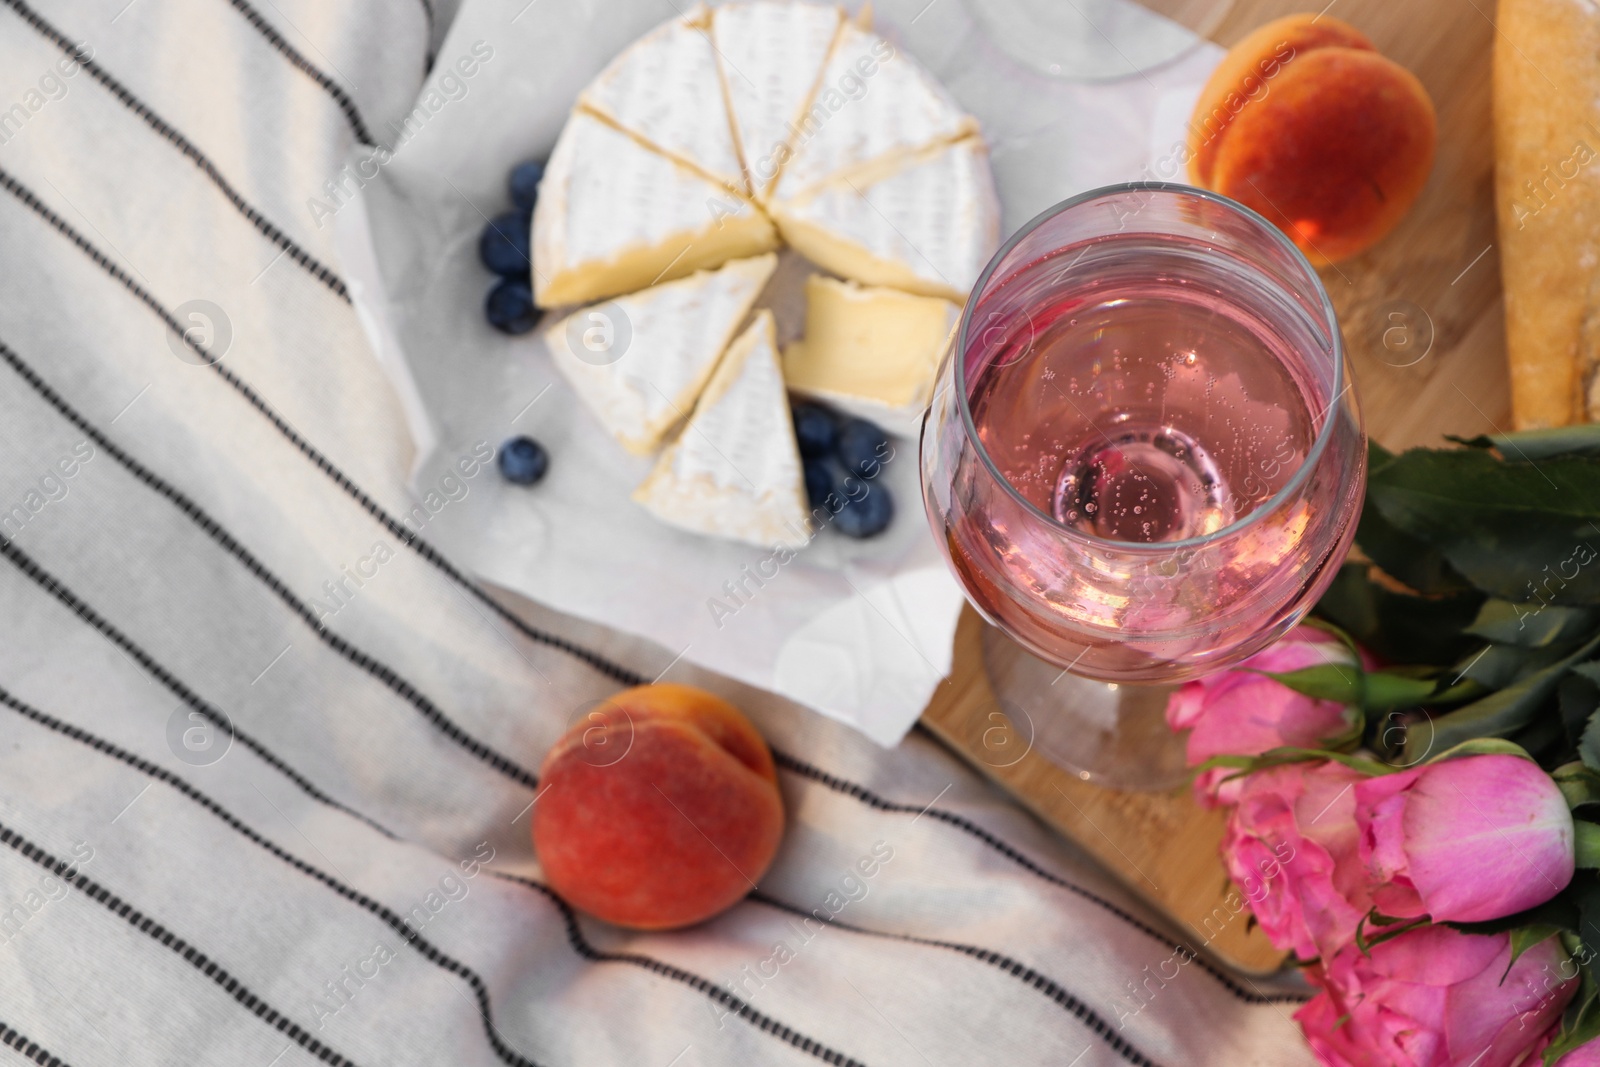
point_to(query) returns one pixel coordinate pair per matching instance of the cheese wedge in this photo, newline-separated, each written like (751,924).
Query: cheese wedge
(639,362)
(870,352)
(735,470)
(771,56)
(929,227)
(872,102)
(614,216)
(666,90)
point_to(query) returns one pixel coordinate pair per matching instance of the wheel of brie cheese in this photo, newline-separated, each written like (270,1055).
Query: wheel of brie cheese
(711,142)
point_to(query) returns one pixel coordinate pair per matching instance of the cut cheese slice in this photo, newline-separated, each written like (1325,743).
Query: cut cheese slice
(872,102)
(929,227)
(870,352)
(614,216)
(772,56)
(735,470)
(640,362)
(665,89)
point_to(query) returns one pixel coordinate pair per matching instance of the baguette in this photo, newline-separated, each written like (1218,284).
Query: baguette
(1547,199)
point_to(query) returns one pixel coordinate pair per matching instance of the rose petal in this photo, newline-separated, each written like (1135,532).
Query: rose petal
(1486,836)
(1497,1019)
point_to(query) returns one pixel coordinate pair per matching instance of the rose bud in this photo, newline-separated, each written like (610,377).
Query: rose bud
(1465,840)
(1433,997)
(1291,848)
(1239,712)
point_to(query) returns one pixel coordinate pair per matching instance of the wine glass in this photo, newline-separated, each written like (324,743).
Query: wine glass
(1144,462)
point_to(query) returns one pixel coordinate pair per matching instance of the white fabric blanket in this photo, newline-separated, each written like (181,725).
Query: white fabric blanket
(239,829)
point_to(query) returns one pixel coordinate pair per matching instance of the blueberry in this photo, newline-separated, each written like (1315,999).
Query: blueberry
(503,247)
(863,448)
(523,460)
(819,481)
(524,183)
(868,515)
(815,429)
(510,306)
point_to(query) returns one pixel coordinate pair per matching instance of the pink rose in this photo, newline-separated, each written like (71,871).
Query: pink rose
(1432,997)
(1292,848)
(1240,713)
(1465,840)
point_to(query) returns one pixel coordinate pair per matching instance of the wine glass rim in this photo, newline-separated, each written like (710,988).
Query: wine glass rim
(1272,503)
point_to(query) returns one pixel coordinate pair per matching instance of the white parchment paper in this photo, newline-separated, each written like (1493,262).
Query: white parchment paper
(860,631)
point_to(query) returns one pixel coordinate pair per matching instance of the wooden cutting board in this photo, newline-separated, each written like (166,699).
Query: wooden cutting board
(1422,320)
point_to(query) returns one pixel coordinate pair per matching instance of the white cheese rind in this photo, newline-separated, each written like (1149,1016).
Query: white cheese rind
(873,101)
(772,54)
(614,216)
(670,338)
(735,469)
(665,89)
(929,227)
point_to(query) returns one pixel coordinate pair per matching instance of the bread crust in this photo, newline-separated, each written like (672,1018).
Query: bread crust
(1547,198)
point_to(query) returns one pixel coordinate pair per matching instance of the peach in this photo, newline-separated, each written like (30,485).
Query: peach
(659,809)
(1304,122)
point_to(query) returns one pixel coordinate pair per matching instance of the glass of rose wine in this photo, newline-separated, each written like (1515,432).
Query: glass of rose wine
(1144,462)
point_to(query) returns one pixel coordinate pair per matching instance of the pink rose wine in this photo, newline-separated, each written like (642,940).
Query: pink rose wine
(1145,461)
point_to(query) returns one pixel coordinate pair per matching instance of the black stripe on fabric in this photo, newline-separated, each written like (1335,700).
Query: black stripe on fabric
(1015,855)
(388,916)
(289,52)
(594,660)
(734,1004)
(24,563)
(13,1038)
(159,933)
(574,933)
(187,148)
(406,536)
(428,56)
(1090,1018)
(213,529)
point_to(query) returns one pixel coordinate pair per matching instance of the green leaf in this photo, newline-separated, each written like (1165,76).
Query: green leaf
(1387,691)
(1580,1023)
(1409,560)
(1279,757)
(1559,911)
(1338,682)
(1530,446)
(1530,625)
(1347,683)
(1480,746)
(1543,737)
(1496,666)
(1378,918)
(1501,713)
(1586,844)
(1515,531)
(1589,743)
(1389,929)
(1398,627)
(1580,785)
(1525,937)
(1578,698)
(1584,892)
